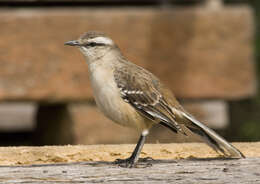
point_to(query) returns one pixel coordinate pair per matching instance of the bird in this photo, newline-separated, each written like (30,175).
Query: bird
(134,97)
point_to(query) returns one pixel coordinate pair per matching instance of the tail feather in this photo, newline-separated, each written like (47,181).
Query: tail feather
(212,138)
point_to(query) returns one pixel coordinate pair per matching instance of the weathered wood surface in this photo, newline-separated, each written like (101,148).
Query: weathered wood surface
(174,163)
(30,155)
(217,171)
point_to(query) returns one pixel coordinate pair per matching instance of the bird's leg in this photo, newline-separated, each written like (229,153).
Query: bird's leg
(132,160)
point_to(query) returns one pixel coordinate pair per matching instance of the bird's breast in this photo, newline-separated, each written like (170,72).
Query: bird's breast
(109,101)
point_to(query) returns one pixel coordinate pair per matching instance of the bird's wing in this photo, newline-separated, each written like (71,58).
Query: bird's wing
(139,88)
(145,93)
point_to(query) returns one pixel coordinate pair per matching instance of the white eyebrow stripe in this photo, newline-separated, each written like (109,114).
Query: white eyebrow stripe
(103,40)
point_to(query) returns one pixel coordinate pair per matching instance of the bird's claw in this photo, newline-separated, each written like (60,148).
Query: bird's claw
(126,163)
(129,162)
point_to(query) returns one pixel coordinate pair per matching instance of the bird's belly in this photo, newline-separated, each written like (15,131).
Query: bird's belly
(109,101)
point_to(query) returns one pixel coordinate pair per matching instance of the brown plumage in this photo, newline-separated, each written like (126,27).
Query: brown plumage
(144,92)
(132,96)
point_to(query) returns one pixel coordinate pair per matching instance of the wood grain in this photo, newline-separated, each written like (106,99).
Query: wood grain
(218,171)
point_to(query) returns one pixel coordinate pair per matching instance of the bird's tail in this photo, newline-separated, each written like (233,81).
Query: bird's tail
(212,138)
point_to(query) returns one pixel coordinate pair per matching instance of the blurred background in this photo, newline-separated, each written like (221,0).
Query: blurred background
(206,51)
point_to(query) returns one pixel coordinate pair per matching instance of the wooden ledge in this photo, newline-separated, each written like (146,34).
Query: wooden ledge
(67,154)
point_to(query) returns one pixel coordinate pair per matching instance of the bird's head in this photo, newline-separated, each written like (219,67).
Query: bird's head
(93,44)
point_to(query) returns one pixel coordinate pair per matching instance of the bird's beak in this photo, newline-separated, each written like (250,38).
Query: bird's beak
(72,43)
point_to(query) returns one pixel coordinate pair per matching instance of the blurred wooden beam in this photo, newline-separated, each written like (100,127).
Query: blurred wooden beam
(197,52)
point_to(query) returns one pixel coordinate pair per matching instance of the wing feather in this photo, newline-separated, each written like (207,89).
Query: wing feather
(139,89)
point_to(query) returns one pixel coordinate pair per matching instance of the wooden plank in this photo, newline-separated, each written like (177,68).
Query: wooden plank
(178,163)
(28,155)
(193,50)
(203,171)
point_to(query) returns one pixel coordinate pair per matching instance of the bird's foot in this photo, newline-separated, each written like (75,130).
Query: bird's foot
(129,162)
(126,163)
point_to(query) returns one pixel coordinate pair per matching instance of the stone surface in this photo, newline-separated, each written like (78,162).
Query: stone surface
(199,53)
(92,127)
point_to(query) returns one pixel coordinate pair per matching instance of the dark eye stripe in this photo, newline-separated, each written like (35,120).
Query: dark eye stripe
(93,44)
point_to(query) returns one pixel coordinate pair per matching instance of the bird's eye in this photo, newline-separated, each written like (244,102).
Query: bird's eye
(91,44)
(94,44)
